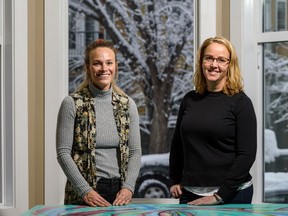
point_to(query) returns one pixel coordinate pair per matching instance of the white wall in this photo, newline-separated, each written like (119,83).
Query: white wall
(56,88)
(206,20)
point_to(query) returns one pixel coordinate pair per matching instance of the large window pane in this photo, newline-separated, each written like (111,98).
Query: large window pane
(156,44)
(276,122)
(275,15)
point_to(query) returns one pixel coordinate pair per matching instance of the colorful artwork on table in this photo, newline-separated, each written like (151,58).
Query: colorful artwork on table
(162,210)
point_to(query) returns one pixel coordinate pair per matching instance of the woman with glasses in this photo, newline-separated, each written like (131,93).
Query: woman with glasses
(214,143)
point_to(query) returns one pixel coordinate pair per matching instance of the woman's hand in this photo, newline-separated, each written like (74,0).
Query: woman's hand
(92,198)
(123,197)
(176,191)
(207,200)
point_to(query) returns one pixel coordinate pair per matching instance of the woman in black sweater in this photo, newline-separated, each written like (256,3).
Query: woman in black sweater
(214,144)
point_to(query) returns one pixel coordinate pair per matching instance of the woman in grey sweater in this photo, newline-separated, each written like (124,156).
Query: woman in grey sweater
(98,136)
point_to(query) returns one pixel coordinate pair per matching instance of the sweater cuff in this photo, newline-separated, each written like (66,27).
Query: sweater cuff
(84,192)
(225,192)
(125,185)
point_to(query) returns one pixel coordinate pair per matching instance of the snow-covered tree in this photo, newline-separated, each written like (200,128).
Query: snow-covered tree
(155,39)
(276,86)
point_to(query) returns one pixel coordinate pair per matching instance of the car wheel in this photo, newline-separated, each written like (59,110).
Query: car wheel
(152,188)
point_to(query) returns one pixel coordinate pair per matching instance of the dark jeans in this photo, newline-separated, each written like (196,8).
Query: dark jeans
(108,188)
(239,197)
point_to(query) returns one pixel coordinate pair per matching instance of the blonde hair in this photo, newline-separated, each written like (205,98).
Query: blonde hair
(94,45)
(234,83)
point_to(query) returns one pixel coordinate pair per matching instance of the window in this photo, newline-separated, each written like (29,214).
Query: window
(281,15)
(275,15)
(275,69)
(260,46)
(275,102)
(141,30)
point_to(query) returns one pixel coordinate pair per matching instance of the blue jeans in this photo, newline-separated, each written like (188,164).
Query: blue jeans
(239,197)
(108,188)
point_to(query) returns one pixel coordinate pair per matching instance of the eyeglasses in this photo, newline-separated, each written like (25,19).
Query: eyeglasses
(220,60)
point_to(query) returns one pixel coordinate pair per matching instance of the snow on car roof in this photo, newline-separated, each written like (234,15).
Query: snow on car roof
(276,181)
(155,159)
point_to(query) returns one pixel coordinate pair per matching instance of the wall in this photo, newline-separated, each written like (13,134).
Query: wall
(223,18)
(36,101)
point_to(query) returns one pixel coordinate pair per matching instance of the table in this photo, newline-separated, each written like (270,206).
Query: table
(161,210)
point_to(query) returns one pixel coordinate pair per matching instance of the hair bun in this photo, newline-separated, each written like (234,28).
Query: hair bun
(100,40)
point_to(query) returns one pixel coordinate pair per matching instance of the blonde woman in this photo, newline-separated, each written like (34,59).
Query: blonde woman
(98,136)
(214,144)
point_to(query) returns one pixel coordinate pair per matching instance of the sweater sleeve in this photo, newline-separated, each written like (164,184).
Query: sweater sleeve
(246,145)
(64,143)
(134,143)
(176,151)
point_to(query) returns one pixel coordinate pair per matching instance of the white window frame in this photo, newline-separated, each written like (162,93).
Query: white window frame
(19,93)
(7,167)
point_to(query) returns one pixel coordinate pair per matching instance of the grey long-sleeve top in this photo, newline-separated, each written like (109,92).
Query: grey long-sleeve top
(107,141)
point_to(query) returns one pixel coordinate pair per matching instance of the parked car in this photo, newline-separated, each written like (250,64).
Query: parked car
(153,179)
(276,187)
(276,170)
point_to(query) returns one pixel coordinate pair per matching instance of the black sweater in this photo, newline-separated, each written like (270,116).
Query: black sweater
(215,141)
